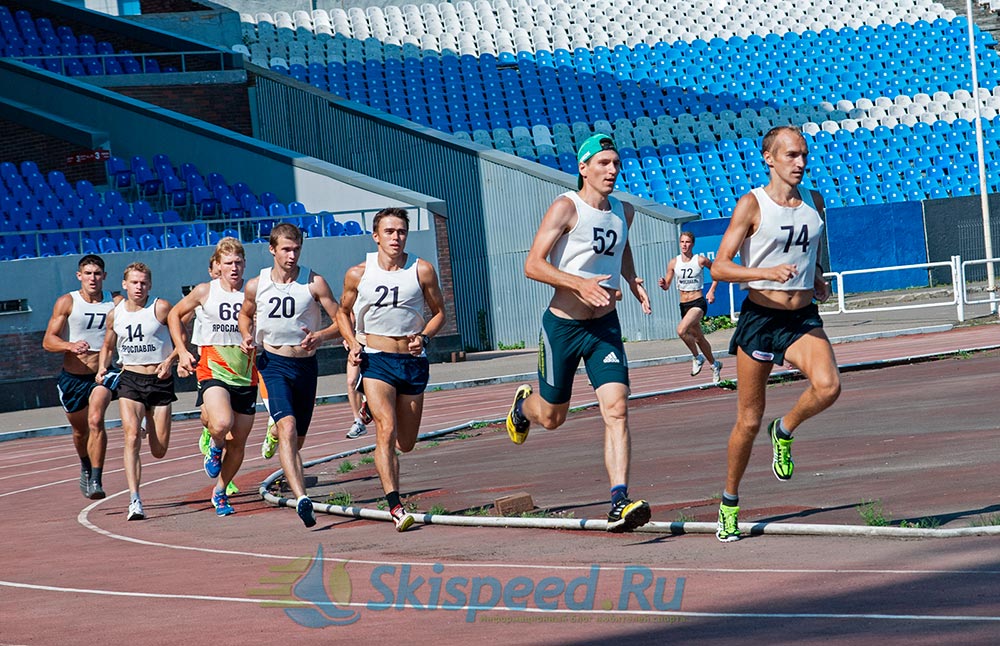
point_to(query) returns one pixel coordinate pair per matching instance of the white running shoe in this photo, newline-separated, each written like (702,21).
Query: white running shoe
(135,511)
(716,372)
(696,364)
(357,430)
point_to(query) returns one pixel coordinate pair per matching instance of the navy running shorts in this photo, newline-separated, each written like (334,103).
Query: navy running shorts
(765,333)
(404,372)
(148,390)
(291,387)
(242,399)
(74,390)
(562,343)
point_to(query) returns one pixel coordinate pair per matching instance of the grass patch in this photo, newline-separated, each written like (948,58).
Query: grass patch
(872,513)
(684,518)
(479,425)
(985,520)
(519,345)
(432,444)
(367,459)
(930,522)
(477,511)
(381,505)
(577,409)
(345,467)
(728,384)
(710,324)
(341,498)
(437,510)
(963,354)
(463,436)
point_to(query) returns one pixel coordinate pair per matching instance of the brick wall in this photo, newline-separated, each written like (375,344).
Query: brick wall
(444,274)
(23,357)
(224,105)
(21,143)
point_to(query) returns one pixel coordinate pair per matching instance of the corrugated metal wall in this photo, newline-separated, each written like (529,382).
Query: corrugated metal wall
(494,201)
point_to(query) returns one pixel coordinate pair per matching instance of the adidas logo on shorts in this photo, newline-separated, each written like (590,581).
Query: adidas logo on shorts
(611,358)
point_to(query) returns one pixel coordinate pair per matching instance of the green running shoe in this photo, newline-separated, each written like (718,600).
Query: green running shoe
(205,441)
(729,526)
(232,489)
(781,464)
(269,445)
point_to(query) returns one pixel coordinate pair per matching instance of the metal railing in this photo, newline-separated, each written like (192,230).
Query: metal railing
(958,296)
(992,295)
(249,229)
(198,60)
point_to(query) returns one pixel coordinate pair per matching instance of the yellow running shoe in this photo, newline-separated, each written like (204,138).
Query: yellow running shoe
(270,443)
(232,489)
(205,441)
(517,425)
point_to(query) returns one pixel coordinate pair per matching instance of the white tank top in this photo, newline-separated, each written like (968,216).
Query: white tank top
(690,275)
(786,235)
(284,309)
(86,320)
(594,246)
(217,320)
(389,303)
(142,339)
(199,316)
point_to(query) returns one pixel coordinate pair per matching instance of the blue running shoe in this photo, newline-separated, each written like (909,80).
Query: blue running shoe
(213,462)
(304,509)
(221,502)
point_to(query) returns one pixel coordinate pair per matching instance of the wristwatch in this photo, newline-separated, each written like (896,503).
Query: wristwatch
(426,339)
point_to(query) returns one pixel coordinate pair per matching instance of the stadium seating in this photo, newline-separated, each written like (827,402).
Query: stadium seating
(685,94)
(145,206)
(58,49)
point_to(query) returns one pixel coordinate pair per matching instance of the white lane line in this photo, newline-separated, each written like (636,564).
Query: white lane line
(403,605)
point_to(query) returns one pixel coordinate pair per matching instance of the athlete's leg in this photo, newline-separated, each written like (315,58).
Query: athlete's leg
(541,412)
(97,440)
(132,413)
(382,400)
(409,411)
(81,433)
(353,396)
(289,444)
(613,401)
(689,328)
(232,458)
(218,411)
(158,422)
(752,378)
(813,355)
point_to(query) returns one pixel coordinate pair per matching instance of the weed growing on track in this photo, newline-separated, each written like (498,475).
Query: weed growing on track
(345,467)
(477,511)
(368,459)
(437,510)
(985,520)
(341,498)
(930,522)
(684,518)
(544,513)
(871,512)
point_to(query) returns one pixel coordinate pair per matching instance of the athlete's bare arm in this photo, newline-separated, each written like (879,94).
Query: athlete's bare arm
(162,311)
(707,264)
(178,330)
(821,288)
(557,221)
(53,340)
(628,265)
(108,348)
(668,279)
(247,313)
(320,290)
(435,302)
(346,312)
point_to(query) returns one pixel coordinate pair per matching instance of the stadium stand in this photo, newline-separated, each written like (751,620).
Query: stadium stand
(144,206)
(687,95)
(56,48)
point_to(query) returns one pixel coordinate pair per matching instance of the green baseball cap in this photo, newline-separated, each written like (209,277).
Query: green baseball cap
(590,147)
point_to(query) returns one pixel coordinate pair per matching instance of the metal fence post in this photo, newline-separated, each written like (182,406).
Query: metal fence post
(958,283)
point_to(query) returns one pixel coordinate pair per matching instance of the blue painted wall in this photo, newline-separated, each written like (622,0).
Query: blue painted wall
(708,236)
(879,235)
